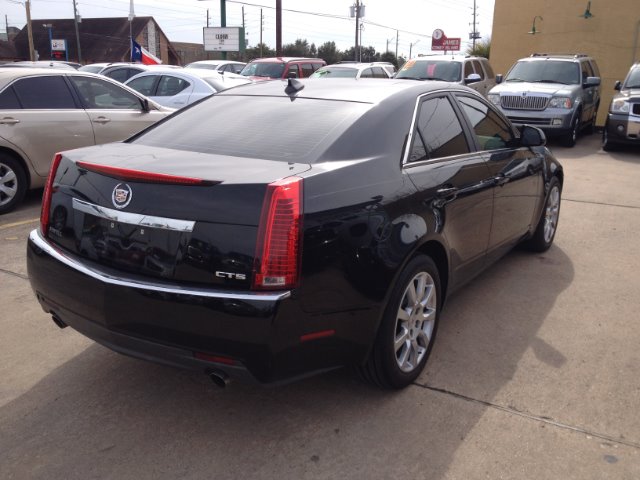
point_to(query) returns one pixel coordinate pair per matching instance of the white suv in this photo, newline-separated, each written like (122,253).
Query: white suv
(475,72)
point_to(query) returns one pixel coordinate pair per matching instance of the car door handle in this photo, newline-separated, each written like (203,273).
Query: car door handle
(102,120)
(500,180)
(9,121)
(447,193)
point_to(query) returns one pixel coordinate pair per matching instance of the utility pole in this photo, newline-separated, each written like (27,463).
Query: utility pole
(397,37)
(241,54)
(278,28)
(207,18)
(223,20)
(27,5)
(75,21)
(355,50)
(261,28)
(474,34)
(6,25)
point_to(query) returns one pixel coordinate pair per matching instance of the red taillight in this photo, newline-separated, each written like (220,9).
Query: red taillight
(278,250)
(46,196)
(141,176)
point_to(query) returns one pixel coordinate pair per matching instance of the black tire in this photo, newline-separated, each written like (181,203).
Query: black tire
(570,139)
(548,225)
(591,129)
(607,144)
(385,367)
(13,183)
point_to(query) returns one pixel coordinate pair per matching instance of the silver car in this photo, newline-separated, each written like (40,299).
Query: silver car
(47,111)
(177,88)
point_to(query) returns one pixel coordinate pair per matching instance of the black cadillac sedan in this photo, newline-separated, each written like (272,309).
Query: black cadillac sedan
(286,228)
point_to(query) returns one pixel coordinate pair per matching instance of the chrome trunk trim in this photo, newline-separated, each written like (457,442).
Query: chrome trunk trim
(36,237)
(133,218)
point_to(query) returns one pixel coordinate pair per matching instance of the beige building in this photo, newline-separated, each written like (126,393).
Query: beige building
(610,35)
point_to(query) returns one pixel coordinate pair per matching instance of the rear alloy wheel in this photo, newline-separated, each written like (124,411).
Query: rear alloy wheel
(572,137)
(408,328)
(546,230)
(13,183)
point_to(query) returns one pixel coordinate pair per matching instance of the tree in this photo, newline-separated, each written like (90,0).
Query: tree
(329,53)
(300,48)
(254,52)
(483,48)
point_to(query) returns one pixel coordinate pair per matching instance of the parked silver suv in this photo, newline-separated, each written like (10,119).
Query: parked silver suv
(559,93)
(475,72)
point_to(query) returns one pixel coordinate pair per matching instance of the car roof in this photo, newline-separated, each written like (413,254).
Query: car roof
(284,59)
(369,90)
(451,57)
(216,62)
(48,64)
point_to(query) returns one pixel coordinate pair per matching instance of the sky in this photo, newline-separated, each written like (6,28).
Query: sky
(324,20)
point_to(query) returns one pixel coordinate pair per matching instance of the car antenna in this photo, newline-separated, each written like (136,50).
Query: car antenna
(293,86)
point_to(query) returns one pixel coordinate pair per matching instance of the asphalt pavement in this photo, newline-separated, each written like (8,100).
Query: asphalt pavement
(534,375)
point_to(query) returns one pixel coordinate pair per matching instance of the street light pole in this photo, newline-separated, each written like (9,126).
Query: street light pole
(27,6)
(49,27)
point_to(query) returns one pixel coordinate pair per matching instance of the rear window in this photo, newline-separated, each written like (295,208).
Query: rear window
(271,128)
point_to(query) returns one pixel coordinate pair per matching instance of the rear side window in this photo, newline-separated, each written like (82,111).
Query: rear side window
(378,72)
(271,128)
(438,132)
(98,94)
(50,92)
(8,100)
(168,86)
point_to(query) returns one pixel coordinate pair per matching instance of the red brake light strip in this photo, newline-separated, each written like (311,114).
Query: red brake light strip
(142,176)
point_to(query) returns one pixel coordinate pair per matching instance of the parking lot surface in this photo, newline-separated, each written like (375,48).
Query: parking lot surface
(534,375)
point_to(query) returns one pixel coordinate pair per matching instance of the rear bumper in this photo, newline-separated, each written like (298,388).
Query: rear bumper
(256,335)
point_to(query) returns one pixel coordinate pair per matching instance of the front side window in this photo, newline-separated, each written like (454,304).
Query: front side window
(633,79)
(478,68)
(98,94)
(367,73)
(292,71)
(145,85)
(491,131)
(168,86)
(468,69)
(438,132)
(50,92)
(307,69)
(119,74)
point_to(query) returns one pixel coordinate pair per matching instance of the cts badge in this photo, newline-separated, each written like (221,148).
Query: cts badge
(235,276)
(122,195)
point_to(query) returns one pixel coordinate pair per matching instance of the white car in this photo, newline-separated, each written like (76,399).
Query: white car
(352,70)
(179,88)
(221,66)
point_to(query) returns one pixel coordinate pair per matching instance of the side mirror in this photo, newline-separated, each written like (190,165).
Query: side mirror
(592,82)
(499,78)
(472,78)
(144,103)
(532,136)
(618,86)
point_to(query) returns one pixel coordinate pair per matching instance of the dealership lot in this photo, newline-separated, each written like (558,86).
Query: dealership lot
(534,375)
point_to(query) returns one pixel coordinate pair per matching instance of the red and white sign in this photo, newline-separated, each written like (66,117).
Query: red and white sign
(439,41)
